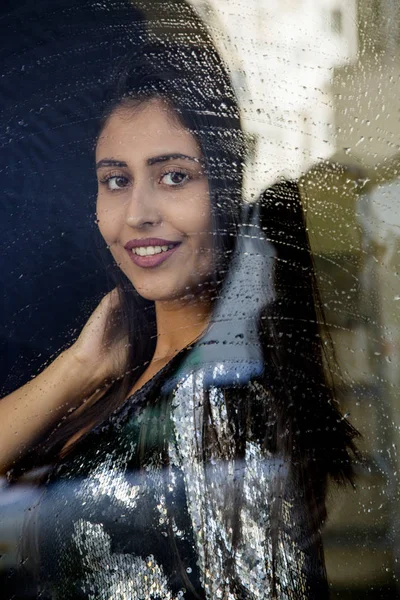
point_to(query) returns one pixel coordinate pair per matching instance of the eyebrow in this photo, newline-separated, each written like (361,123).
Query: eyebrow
(175,156)
(107,162)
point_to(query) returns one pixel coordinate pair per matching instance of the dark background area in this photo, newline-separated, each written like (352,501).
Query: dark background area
(57,56)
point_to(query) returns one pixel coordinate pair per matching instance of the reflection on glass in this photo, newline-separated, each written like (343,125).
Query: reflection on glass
(187,435)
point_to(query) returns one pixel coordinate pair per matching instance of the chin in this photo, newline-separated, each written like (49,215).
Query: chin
(164,296)
(169,289)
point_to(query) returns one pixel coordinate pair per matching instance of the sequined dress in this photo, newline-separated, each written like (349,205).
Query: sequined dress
(133,512)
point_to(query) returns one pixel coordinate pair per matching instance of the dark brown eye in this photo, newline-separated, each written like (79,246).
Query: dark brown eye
(117,182)
(174,178)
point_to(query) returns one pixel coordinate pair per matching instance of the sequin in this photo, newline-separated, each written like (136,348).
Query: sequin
(106,481)
(119,576)
(173,528)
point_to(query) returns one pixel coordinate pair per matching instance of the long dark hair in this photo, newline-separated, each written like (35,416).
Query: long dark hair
(195,84)
(308,427)
(291,410)
(297,415)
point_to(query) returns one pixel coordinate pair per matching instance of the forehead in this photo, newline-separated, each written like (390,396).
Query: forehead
(148,129)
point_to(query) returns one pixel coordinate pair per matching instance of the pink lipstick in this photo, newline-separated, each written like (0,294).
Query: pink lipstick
(150,252)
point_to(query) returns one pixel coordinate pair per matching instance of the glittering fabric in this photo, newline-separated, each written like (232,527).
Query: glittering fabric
(142,510)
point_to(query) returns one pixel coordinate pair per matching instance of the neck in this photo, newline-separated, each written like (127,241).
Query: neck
(178,324)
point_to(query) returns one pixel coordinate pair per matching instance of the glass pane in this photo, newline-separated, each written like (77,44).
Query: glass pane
(232,167)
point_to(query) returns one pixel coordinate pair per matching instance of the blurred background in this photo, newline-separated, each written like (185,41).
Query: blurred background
(319,87)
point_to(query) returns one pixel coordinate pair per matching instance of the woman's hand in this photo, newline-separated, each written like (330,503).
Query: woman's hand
(96,358)
(102,346)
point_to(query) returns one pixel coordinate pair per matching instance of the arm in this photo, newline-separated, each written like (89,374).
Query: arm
(32,410)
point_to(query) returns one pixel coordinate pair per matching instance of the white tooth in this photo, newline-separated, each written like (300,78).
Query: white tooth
(151,250)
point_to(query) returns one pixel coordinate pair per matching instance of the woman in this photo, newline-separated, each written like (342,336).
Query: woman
(203,431)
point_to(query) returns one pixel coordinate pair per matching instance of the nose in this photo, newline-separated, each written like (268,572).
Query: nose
(142,209)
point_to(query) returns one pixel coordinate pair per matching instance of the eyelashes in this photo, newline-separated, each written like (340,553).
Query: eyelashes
(113,181)
(176,177)
(171,177)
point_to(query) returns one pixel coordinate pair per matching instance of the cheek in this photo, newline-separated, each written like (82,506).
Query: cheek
(197,216)
(203,224)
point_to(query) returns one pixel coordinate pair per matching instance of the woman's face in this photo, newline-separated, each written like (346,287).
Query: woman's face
(153,203)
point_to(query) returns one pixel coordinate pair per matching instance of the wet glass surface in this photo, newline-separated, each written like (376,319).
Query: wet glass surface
(208,481)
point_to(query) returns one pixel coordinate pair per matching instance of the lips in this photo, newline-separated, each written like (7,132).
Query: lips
(150,252)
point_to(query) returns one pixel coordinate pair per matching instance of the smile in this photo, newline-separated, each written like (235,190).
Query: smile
(150,252)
